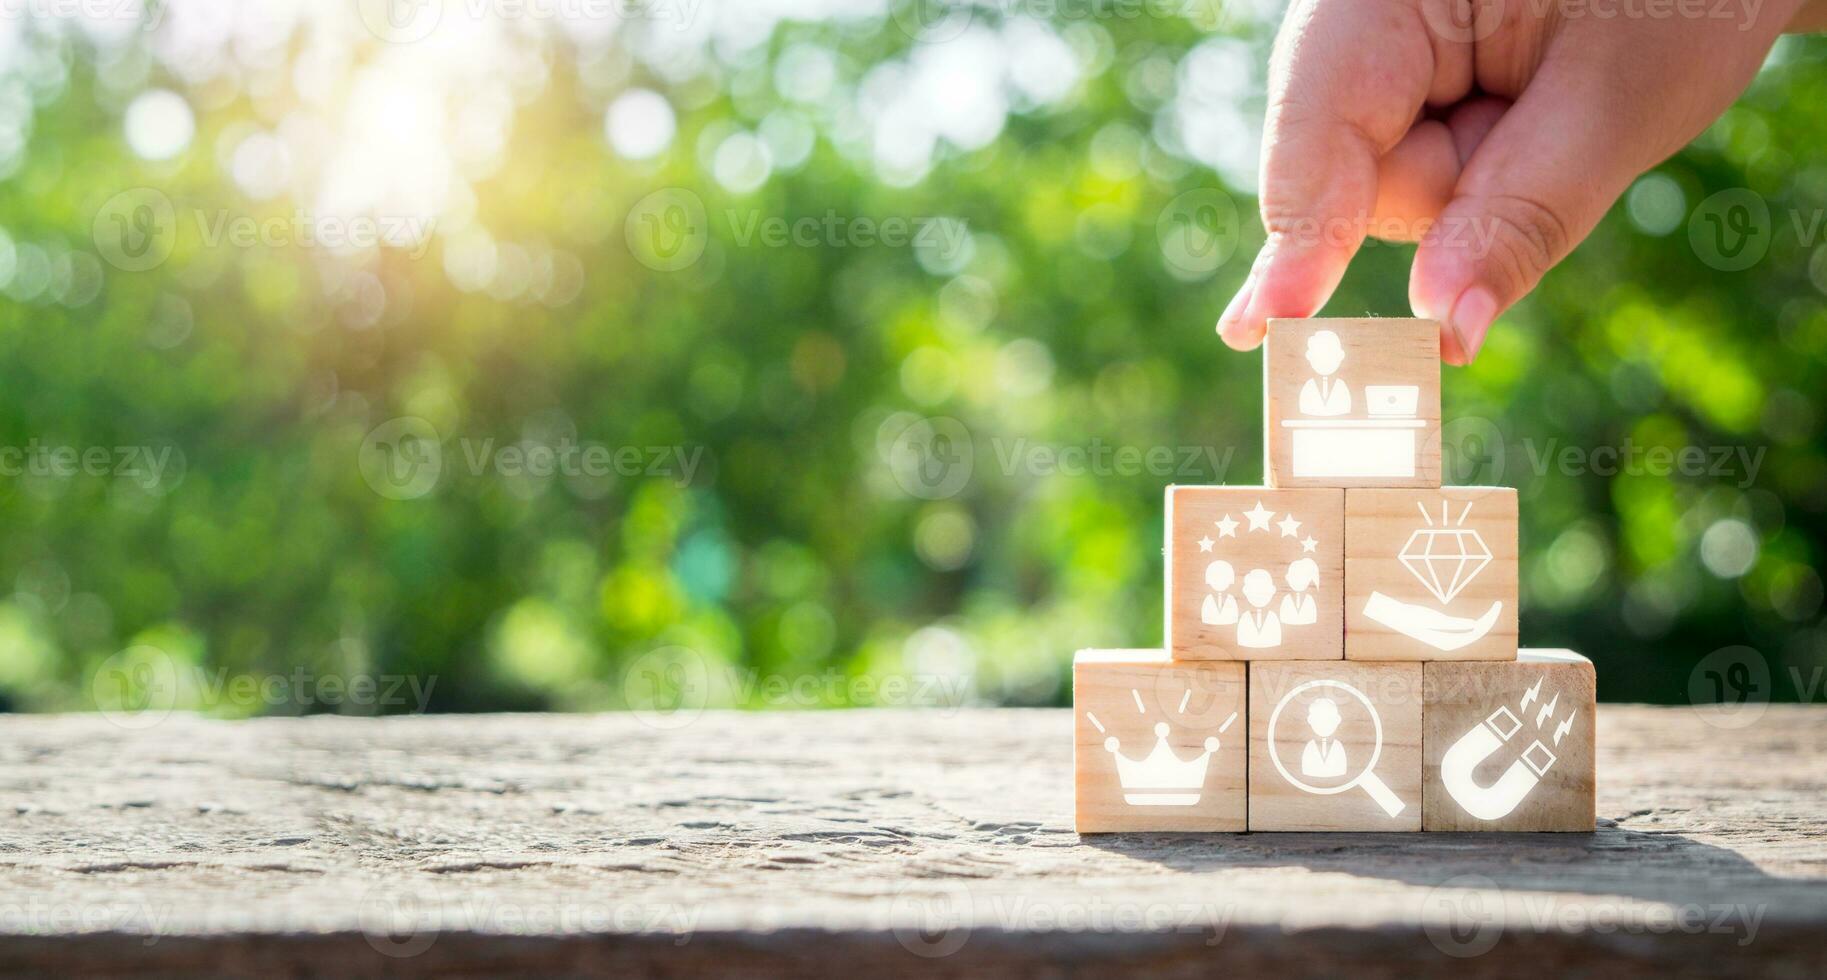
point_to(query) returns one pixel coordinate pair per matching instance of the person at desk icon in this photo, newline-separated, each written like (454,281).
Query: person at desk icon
(1324,756)
(1325,396)
(1259,627)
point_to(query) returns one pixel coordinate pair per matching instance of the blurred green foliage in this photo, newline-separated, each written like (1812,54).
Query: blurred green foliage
(793,568)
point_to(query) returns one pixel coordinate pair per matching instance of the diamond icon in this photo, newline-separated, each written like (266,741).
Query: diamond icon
(1445,559)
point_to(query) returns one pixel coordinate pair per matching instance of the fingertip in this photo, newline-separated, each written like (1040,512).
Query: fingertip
(1241,335)
(1452,349)
(1464,322)
(1435,281)
(1233,326)
(1473,314)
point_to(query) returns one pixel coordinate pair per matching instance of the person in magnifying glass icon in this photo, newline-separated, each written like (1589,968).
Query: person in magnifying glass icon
(1324,756)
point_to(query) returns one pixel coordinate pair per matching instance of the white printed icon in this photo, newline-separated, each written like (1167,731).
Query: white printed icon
(1330,441)
(1459,766)
(1161,778)
(1220,606)
(1324,758)
(1323,395)
(1444,558)
(1257,606)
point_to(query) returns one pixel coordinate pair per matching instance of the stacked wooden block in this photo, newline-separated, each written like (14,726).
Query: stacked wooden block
(1342,643)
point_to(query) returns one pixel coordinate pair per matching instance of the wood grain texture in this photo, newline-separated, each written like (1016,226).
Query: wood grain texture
(898,843)
(1374,724)
(1125,699)
(1281,568)
(1346,412)
(1381,525)
(1459,699)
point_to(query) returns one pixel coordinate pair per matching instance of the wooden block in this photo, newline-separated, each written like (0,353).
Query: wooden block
(1335,745)
(1157,745)
(1255,574)
(1430,574)
(1352,403)
(1510,745)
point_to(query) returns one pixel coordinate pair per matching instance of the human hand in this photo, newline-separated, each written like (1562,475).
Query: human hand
(1496,133)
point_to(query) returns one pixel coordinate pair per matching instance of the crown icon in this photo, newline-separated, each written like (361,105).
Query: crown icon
(1163,778)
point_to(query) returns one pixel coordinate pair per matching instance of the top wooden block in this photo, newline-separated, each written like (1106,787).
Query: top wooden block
(1352,403)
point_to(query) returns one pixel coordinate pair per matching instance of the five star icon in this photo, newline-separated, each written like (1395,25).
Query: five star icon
(1259,517)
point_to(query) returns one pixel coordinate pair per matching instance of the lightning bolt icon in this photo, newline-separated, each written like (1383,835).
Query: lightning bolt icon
(1529,696)
(1564,727)
(1547,711)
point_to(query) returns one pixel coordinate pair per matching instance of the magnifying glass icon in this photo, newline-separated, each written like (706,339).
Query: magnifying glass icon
(1368,779)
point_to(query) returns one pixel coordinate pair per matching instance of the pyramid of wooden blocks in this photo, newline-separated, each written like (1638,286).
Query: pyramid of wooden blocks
(1341,644)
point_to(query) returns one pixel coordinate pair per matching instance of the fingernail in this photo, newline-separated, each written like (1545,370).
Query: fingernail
(1471,319)
(1233,313)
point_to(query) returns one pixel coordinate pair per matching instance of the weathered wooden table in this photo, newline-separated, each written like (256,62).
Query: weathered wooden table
(870,843)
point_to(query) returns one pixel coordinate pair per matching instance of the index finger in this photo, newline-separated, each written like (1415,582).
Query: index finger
(1346,81)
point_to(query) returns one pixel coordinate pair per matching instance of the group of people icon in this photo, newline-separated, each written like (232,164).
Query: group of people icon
(1259,627)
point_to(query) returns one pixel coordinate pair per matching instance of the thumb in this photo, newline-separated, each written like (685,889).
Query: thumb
(1531,191)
